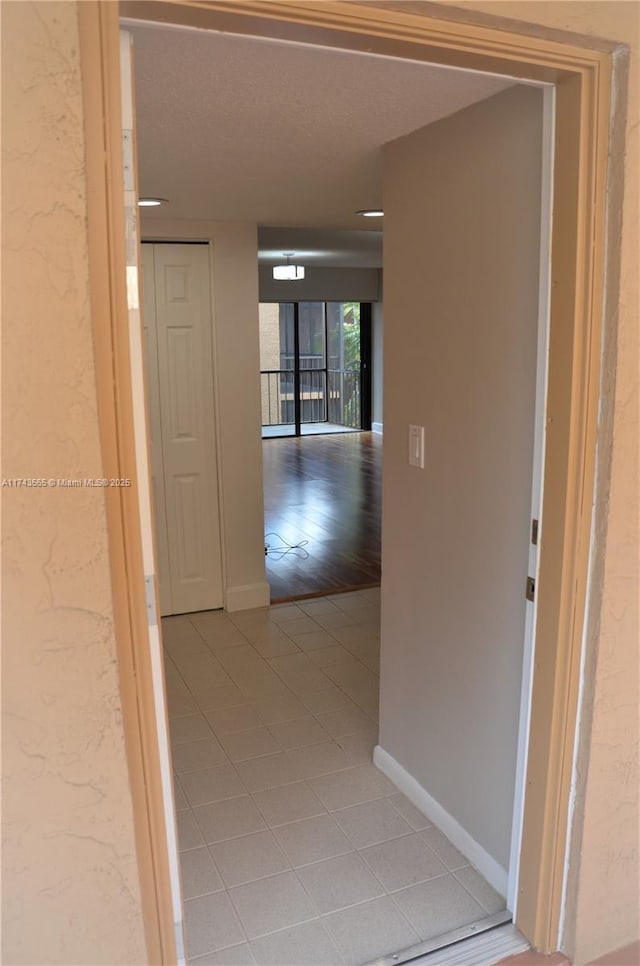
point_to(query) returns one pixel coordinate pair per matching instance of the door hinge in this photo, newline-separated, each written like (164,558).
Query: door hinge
(531,588)
(150,594)
(534,532)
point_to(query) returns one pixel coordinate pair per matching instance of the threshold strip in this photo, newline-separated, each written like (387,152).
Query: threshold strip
(479,943)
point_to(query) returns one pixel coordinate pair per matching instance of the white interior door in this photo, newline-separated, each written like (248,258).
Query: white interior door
(181,402)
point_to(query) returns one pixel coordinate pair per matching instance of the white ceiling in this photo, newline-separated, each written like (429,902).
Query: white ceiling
(238,128)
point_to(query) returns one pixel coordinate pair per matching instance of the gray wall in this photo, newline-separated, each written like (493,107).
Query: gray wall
(462,213)
(322,285)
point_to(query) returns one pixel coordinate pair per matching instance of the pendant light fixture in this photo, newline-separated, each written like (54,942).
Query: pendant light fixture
(288,272)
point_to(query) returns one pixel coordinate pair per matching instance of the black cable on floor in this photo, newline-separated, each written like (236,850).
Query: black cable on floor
(285,548)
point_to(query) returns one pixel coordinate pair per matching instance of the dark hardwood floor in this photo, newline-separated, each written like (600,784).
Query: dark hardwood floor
(325,490)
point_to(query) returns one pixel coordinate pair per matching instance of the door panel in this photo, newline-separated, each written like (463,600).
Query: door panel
(187,426)
(462,279)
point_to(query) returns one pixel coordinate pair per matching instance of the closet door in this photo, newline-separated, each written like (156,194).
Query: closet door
(183,429)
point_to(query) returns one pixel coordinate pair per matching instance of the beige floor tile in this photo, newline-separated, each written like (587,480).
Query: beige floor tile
(241,659)
(444,849)
(319,606)
(369,931)
(268,772)
(199,874)
(362,783)
(249,744)
(332,621)
(242,618)
(329,699)
(326,656)
(249,857)
(285,613)
(364,613)
(298,733)
(345,721)
(239,955)
(347,601)
(320,759)
(372,823)
(219,635)
(195,755)
(351,675)
(191,727)
(201,679)
(367,697)
(228,819)
(312,840)
(288,803)
(262,688)
(275,645)
(270,904)
(372,662)
(312,640)
(308,944)
(402,862)
(262,631)
(352,633)
(227,721)
(189,834)
(177,632)
(409,812)
(281,708)
(180,701)
(179,797)
(214,698)
(438,906)
(297,661)
(339,882)
(480,889)
(211,923)
(212,785)
(359,748)
(305,681)
(302,625)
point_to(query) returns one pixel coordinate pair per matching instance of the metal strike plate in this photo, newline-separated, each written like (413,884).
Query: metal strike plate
(531,588)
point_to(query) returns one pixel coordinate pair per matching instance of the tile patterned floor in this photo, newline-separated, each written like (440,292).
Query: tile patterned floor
(294,848)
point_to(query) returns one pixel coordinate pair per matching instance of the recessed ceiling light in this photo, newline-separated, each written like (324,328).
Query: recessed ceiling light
(151,202)
(371,212)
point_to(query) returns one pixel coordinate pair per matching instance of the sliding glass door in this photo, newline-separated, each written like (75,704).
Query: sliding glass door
(314,361)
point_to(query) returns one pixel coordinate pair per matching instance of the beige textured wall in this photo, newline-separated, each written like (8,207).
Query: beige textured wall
(605,873)
(70,879)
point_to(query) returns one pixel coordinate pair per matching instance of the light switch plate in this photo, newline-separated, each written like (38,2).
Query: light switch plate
(416,446)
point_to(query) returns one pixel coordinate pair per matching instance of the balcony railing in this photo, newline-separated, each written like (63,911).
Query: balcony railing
(326,395)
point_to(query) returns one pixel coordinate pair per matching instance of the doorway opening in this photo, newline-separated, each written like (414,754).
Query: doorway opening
(314,368)
(298,659)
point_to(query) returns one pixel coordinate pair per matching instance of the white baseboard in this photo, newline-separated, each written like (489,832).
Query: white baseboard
(247,596)
(448,825)
(376,428)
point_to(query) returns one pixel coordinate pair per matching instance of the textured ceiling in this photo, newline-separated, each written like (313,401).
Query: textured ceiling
(275,133)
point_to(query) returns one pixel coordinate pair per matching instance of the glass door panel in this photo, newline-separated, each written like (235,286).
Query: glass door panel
(312,337)
(344,364)
(314,363)
(277,368)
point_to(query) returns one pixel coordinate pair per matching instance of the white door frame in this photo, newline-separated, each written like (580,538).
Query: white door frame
(537,485)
